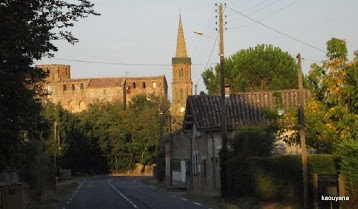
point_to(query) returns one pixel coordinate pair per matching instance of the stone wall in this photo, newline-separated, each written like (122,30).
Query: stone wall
(75,95)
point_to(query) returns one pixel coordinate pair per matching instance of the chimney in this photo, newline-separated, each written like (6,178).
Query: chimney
(227,91)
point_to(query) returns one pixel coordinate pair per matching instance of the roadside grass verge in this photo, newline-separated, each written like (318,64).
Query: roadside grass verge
(214,201)
(51,199)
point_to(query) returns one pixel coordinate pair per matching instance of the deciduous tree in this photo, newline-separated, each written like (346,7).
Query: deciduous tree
(28,29)
(332,115)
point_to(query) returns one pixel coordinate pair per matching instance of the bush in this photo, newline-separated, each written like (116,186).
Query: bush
(253,140)
(322,164)
(347,153)
(274,178)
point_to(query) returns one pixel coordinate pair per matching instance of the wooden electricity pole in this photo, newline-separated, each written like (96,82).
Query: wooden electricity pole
(224,150)
(302,134)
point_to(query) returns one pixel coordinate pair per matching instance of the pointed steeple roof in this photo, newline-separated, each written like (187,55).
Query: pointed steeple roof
(181,48)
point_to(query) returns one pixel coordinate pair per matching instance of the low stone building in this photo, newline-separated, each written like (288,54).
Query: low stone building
(177,158)
(76,94)
(203,122)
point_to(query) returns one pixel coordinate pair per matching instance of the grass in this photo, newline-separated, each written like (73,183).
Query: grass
(53,198)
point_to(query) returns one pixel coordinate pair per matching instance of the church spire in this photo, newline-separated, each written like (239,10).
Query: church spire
(181,48)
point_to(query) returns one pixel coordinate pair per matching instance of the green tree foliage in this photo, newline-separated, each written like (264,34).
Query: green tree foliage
(348,154)
(332,115)
(257,139)
(261,68)
(104,125)
(27,31)
(122,136)
(75,149)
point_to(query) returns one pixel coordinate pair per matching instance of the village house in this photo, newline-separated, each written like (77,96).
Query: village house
(202,132)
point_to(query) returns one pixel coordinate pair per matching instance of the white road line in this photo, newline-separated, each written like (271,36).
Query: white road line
(174,196)
(196,203)
(120,193)
(184,199)
(73,195)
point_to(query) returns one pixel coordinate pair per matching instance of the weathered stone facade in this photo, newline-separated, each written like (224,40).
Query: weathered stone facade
(76,94)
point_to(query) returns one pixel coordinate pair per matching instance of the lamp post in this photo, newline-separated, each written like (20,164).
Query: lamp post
(224,140)
(54,152)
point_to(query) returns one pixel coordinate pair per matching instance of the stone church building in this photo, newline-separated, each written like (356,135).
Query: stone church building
(76,94)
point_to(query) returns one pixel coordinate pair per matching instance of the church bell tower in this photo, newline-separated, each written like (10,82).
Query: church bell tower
(182,85)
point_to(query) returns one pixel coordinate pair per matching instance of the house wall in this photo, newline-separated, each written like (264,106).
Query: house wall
(177,146)
(199,162)
(206,177)
(208,145)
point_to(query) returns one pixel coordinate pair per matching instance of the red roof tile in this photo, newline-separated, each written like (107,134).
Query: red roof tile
(242,108)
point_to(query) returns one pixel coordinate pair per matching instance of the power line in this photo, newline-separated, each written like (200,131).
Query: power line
(271,15)
(257,10)
(279,32)
(117,63)
(211,53)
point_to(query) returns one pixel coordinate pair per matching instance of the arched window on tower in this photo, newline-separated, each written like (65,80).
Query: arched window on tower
(181,95)
(181,73)
(64,87)
(73,87)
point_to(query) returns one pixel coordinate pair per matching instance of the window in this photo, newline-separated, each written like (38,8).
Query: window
(181,94)
(73,87)
(154,84)
(143,85)
(133,84)
(196,163)
(82,86)
(64,87)
(181,73)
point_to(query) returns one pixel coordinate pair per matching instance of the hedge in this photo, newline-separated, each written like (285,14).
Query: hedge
(274,178)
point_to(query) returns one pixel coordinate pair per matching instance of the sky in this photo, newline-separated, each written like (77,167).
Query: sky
(138,37)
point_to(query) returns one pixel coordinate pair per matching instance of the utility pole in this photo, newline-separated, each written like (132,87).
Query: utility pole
(224,150)
(54,152)
(302,134)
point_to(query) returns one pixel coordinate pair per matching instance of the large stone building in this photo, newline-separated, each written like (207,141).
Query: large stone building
(76,94)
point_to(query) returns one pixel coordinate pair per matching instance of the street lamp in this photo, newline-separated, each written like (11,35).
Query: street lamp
(54,152)
(224,150)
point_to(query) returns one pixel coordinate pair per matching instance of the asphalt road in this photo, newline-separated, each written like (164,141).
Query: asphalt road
(105,192)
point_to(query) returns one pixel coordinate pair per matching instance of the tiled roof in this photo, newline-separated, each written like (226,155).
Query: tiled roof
(105,82)
(242,108)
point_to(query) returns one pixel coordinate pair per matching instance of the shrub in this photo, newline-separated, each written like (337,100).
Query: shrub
(274,178)
(347,153)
